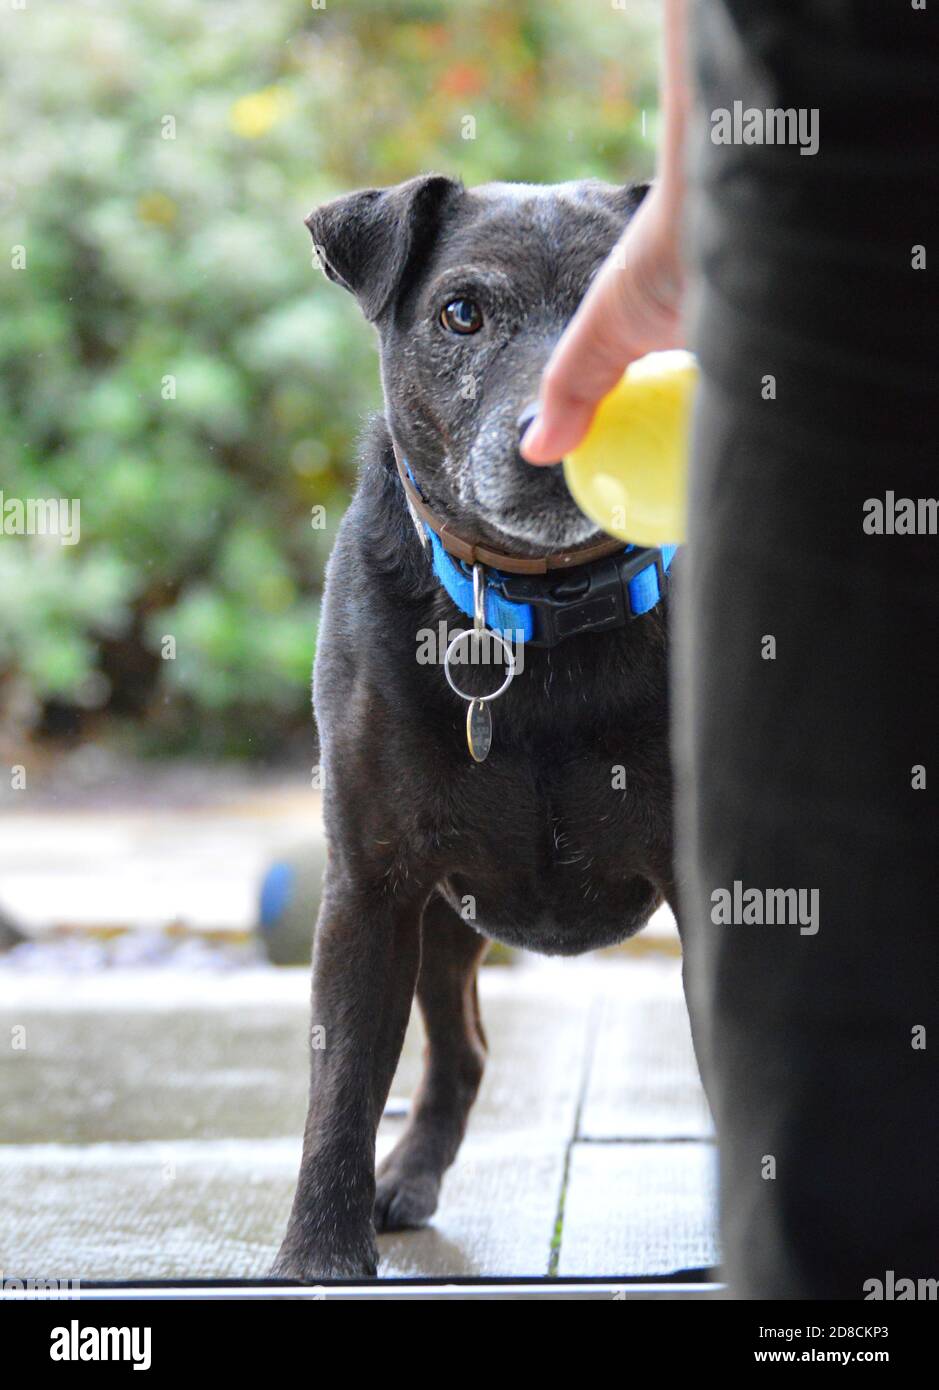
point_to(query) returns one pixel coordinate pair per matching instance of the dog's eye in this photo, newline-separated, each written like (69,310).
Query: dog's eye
(462,316)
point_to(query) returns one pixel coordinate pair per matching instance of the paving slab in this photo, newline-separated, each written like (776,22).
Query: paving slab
(149,1054)
(217,1210)
(152,1075)
(175,1100)
(497,1214)
(151,1124)
(644,1080)
(135,1211)
(639,1209)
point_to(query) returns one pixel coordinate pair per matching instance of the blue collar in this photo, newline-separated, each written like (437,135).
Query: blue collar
(543,610)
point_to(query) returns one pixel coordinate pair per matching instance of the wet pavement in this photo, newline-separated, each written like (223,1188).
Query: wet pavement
(151,1122)
(153,1068)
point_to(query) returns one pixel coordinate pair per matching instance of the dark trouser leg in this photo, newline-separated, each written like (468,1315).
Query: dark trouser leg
(806,660)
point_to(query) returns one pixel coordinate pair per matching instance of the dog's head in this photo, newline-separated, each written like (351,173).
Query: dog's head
(469,290)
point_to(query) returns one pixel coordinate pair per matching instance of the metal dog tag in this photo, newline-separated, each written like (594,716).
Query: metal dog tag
(479,715)
(479,729)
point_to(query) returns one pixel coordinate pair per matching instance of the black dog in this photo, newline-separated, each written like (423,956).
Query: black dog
(560,841)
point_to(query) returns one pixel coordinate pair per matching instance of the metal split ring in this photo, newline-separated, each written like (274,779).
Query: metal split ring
(509,658)
(478,630)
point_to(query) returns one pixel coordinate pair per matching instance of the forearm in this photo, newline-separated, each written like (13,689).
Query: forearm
(634,304)
(675,85)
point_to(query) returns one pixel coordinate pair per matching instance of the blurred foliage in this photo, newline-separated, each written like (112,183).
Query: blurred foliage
(169,356)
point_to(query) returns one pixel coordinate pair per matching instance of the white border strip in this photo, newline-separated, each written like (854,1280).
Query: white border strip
(365,1292)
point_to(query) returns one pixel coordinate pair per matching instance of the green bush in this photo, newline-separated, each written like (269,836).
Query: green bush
(169,356)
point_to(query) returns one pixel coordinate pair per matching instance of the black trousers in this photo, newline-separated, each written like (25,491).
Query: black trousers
(805,674)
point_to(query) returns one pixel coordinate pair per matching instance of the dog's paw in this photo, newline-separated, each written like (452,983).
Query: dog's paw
(404,1200)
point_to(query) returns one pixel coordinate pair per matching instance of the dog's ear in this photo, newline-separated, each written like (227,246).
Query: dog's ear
(368,241)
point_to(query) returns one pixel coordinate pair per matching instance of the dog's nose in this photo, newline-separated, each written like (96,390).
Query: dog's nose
(524,420)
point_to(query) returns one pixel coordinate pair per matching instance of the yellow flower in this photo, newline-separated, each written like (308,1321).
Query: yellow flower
(254,115)
(156,208)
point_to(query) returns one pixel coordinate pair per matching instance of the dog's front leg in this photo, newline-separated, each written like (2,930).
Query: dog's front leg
(365,965)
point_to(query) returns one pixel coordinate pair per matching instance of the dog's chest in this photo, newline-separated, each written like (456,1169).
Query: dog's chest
(553,858)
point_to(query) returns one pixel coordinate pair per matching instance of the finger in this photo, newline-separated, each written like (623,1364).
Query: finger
(549,443)
(587,363)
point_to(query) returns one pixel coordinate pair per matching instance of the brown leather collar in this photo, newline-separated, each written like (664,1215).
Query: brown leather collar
(482,555)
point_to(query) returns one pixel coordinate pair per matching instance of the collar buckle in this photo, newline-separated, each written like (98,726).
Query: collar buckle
(591,598)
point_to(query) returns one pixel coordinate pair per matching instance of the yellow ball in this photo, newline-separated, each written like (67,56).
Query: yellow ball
(629,474)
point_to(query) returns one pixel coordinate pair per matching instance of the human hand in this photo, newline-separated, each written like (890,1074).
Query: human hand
(632,307)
